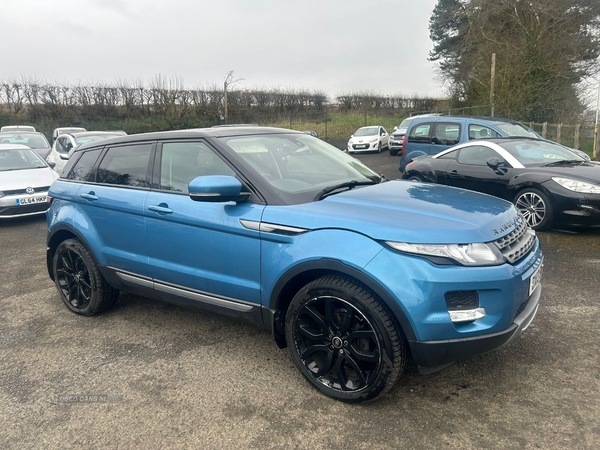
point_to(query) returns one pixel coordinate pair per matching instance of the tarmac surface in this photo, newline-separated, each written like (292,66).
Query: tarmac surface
(151,375)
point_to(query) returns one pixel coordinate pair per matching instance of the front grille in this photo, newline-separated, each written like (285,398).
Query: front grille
(516,244)
(26,209)
(22,191)
(462,300)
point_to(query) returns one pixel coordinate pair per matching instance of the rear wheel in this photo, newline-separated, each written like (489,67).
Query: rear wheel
(80,284)
(415,178)
(535,207)
(343,341)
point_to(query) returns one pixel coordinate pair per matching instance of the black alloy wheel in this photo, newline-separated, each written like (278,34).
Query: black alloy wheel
(79,281)
(343,341)
(535,207)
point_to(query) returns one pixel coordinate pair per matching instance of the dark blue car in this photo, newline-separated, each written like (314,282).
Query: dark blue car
(354,274)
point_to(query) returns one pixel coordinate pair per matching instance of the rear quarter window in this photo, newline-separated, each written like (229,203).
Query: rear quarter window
(126,165)
(83,166)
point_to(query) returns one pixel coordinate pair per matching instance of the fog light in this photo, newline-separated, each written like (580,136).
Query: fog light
(467,315)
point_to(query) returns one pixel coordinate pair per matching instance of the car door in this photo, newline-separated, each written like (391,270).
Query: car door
(470,171)
(199,251)
(113,204)
(385,137)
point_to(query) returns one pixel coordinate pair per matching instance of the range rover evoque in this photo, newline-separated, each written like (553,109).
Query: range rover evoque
(353,273)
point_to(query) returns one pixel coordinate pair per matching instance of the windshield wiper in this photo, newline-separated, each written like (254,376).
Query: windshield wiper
(564,161)
(347,185)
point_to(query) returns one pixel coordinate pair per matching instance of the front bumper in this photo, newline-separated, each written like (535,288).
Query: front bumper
(10,208)
(435,355)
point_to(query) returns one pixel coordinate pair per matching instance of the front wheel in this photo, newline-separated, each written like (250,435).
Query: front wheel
(80,284)
(379,148)
(393,151)
(535,207)
(343,341)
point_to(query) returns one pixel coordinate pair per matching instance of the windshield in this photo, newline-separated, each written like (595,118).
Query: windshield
(300,166)
(367,131)
(94,138)
(516,129)
(32,140)
(536,152)
(19,160)
(405,123)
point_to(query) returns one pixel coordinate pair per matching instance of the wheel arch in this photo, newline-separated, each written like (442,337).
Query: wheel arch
(59,235)
(294,279)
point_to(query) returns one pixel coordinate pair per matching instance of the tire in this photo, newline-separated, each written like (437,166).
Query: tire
(80,284)
(393,152)
(379,148)
(415,178)
(343,341)
(535,207)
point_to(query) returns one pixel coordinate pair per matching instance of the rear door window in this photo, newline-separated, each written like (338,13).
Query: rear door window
(126,165)
(446,134)
(481,132)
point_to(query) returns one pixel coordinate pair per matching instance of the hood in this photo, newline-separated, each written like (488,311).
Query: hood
(588,171)
(20,179)
(405,211)
(363,139)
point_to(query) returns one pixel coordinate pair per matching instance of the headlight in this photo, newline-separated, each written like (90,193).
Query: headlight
(577,186)
(466,254)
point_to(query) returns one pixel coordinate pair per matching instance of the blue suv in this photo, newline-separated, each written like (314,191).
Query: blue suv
(354,274)
(431,135)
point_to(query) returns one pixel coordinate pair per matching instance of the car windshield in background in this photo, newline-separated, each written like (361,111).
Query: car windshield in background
(367,131)
(86,139)
(515,129)
(300,166)
(405,123)
(537,152)
(32,140)
(19,160)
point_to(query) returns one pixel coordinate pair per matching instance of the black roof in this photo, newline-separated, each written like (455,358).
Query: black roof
(217,132)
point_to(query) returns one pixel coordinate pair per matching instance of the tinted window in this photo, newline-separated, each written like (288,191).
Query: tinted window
(420,133)
(446,134)
(181,162)
(477,155)
(83,169)
(126,165)
(449,155)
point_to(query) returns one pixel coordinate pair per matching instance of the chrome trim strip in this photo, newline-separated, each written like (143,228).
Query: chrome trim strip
(204,298)
(271,227)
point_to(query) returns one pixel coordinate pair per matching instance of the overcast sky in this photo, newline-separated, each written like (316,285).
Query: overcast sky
(334,46)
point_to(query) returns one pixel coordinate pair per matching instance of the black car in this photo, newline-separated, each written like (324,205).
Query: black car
(549,184)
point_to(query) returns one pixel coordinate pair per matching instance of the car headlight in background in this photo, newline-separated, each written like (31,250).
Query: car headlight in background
(477,254)
(577,186)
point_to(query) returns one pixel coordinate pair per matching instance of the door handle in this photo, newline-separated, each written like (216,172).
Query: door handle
(163,208)
(90,196)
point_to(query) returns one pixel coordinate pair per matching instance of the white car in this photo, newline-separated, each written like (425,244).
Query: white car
(62,130)
(24,181)
(10,128)
(365,139)
(64,143)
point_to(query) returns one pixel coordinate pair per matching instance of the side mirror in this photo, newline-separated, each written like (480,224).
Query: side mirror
(52,164)
(63,156)
(217,189)
(493,163)
(395,128)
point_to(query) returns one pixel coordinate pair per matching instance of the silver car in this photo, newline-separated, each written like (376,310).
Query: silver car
(24,181)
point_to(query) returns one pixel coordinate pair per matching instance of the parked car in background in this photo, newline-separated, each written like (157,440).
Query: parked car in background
(549,184)
(365,139)
(431,135)
(397,137)
(65,142)
(24,181)
(32,139)
(62,130)
(9,128)
(352,273)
